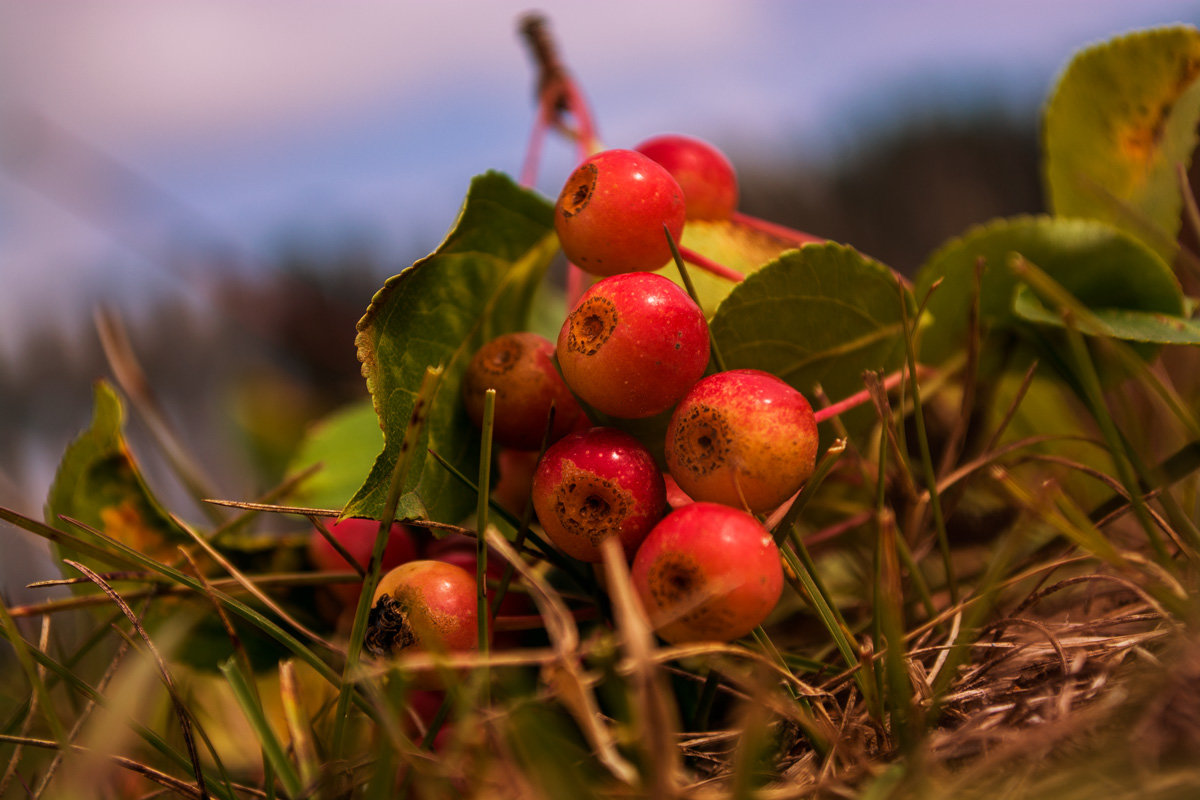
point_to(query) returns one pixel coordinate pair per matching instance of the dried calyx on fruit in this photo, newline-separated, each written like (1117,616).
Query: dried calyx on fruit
(707,572)
(425,605)
(633,345)
(520,367)
(744,438)
(594,485)
(611,212)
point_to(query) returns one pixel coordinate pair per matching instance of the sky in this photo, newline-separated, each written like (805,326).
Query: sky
(132,132)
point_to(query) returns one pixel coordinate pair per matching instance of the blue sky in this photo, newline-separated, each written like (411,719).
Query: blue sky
(245,121)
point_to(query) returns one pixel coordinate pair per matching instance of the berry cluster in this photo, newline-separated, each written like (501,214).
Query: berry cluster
(635,345)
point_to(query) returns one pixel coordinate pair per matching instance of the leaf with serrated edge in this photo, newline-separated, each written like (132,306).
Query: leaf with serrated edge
(1098,264)
(479,283)
(822,314)
(1123,115)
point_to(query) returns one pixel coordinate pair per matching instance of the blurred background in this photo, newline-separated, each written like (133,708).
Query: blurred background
(234,180)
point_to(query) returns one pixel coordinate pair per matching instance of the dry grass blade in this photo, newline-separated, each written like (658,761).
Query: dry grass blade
(129,374)
(299,724)
(164,780)
(254,591)
(565,673)
(185,722)
(658,726)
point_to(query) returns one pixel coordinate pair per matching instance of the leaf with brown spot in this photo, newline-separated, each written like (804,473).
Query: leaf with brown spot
(99,484)
(1123,115)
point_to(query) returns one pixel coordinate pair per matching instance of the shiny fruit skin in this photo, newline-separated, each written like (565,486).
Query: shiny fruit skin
(610,214)
(357,535)
(594,485)
(520,367)
(633,345)
(707,572)
(743,438)
(424,605)
(708,180)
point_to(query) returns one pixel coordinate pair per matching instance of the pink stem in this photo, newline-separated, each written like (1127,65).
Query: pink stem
(776,230)
(858,398)
(708,265)
(533,155)
(577,283)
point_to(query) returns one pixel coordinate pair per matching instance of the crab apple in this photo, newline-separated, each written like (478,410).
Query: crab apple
(707,572)
(743,438)
(594,485)
(633,345)
(709,183)
(460,550)
(611,211)
(424,605)
(357,536)
(520,367)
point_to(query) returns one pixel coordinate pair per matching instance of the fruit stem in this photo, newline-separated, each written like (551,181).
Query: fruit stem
(557,91)
(858,398)
(710,266)
(776,230)
(533,153)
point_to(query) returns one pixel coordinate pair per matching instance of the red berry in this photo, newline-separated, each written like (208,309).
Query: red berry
(423,605)
(743,438)
(634,344)
(610,214)
(358,537)
(460,551)
(707,572)
(520,367)
(595,485)
(709,183)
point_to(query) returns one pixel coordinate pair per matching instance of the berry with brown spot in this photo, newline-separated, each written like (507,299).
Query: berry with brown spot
(611,212)
(707,572)
(594,485)
(423,605)
(520,367)
(633,345)
(744,438)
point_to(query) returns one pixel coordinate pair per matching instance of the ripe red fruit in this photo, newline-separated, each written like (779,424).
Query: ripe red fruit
(358,537)
(611,211)
(520,367)
(709,183)
(423,605)
(596,484)
(707,572)
(743,438)
(633,345)
(460,551)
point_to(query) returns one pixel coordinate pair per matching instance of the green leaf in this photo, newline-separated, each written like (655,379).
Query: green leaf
(821,314)
(1133,326)
(99,484)
(730,244)
(478,284)
(1123,115)
(1098,264)
(343,444)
